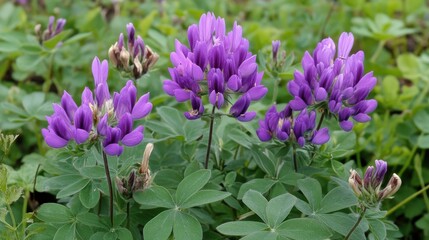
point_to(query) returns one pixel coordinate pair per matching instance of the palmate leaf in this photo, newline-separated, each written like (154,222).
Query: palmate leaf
(257,203)
(303,228)
(279,208)
(159,228)
(186,227)
(204,197)
(153,197)
(241,228)
(191,184)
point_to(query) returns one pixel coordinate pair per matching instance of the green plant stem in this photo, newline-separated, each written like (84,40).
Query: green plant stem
(276,89)
(209,144)
(128,214)
(356,224)
(408,162)
(12,216)
(405,201)
(109,183)
(24,211)
(377,51)
(321,120)
(328,16)
(295,163)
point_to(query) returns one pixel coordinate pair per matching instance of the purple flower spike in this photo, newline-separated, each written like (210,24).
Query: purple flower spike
(338,81)
(216,64)
(107,120)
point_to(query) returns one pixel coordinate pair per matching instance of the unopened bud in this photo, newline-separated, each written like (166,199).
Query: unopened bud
(137,69)
(392,187)
(151,59)
(144,167)
(112,55)
(355,182)
(38,29)
(275,46)
(368,177)
(124,57)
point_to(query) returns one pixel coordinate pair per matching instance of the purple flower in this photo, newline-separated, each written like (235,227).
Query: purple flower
(99,117)
(339,81)
(197,108)
(282,125)
(275,49)
(231,69)
(50,31)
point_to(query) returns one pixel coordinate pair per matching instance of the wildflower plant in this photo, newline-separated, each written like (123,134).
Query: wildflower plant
(216,64)
(207,157)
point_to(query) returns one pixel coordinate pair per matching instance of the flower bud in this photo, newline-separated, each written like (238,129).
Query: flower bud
(137,69)
(150,59)
(355,182)
(275,49)
(124,58)
(112,55)
(392,187)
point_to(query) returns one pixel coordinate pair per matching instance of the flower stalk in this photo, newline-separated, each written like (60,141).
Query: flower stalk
(109,183)
(209,144)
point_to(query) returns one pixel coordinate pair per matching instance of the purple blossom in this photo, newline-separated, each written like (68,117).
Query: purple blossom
(231,69)
(100,116)
(51,31)
(275,49)
(282,125)
(335,79)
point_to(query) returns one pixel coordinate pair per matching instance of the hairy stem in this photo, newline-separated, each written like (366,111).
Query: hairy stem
(128,214)
(24,211)
(356,224)
(109,183)
(209,144)
(405,201)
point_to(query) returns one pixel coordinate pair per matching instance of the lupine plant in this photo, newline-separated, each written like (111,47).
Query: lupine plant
(237,141)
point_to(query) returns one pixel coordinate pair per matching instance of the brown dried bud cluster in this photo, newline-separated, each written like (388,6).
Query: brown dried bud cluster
(139,179)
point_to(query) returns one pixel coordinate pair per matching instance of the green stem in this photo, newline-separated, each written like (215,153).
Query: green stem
(356,224)
(408,162)
(276,89)
(109,183)
(358,158)
(209,144)
(321,120)
(295,163)
(12,216)
(405,201)
(328,16)
(128,215)
(24,211)
(377,51)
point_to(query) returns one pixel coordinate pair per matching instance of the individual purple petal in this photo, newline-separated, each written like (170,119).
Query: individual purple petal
(346,125)
(345,44)
(258,92)
(81,136)
(53,140)
(240,106)
(320,94)
(113,149)
(182,95)
(297,104)
(362,117)
(68,104)
(169,87)
(125,124)
(87,97)
(102,126)
(142,108)
(246,117)
(134,137)
(275,49)
(234,83)
(321,136)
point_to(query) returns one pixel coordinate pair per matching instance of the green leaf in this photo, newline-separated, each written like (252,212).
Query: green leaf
(93,172)
(342,223)
(191,184)
(59,182)
(261,185)
(423,141)
(337,199)
(124,234)
(54,213)
(186,227)
(12,194)
(264,235)
(89,196)
(78,37)
(173,118)
(257,203)
(303,228)
(420,119)
(153,197)
(204,197)
(65,232)
(52,43)
(73,188)
(33,101)
(90,219)
(159,227)
(312,191)
(410,65)
(241,228)
(378,229)
(279,208)
(265,163)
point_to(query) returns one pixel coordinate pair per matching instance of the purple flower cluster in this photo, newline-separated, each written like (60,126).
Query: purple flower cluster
(104,117)
(283,126)
(335,80)
(216,64)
